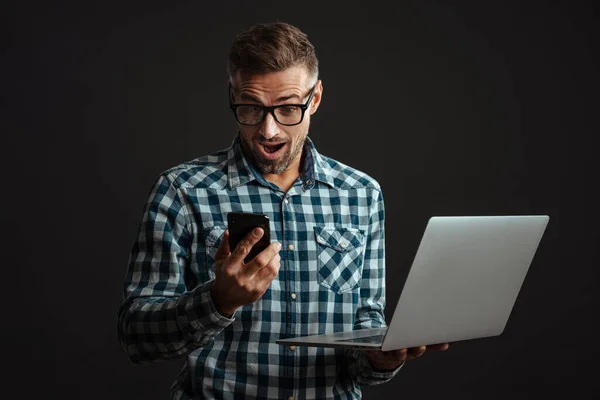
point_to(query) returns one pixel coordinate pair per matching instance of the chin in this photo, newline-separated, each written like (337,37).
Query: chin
(271,168)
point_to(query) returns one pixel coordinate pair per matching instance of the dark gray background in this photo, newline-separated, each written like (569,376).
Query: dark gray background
(456,108)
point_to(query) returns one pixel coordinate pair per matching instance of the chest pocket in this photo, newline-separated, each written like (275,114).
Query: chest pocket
(340,253)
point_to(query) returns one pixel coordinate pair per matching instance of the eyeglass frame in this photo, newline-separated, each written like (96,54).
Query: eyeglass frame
(271,109)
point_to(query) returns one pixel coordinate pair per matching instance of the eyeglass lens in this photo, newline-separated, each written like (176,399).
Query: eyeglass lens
(287,115)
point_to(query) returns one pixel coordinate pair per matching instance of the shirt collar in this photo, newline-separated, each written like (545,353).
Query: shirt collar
(240,171)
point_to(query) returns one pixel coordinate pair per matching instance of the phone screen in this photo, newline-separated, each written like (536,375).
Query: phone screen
(241,224)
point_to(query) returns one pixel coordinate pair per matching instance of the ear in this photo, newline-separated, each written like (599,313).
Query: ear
(316,100)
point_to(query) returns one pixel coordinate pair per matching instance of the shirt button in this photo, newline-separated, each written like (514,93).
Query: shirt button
(291,247)
(286,201)
(293,348)
(342,245)
(294,296)
(308,182)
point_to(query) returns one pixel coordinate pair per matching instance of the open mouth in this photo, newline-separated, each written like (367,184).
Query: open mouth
(272,148)
(271,151)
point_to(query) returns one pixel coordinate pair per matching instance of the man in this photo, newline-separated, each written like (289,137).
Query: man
(187,294)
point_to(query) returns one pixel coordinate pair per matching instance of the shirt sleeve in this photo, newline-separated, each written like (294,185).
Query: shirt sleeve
(370,312)
(159,318)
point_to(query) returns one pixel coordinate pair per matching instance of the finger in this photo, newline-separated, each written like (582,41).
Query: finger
(223,250)
(385,359)
(439,347)
(393,355)
(245,245)
(269,272)
(403,354)
(265,257)
(416,351)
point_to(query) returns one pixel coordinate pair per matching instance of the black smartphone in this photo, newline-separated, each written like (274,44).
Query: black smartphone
(241,224)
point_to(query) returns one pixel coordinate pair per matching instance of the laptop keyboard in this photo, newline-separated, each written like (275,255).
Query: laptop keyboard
(366,339)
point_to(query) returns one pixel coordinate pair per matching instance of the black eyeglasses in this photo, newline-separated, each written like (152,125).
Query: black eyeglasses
(285,114)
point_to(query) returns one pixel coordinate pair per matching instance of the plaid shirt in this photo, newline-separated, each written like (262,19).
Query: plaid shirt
(331,227)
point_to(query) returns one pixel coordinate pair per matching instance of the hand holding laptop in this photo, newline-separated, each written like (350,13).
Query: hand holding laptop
(390,360)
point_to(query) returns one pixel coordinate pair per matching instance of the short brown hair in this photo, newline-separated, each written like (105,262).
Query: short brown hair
(272,47)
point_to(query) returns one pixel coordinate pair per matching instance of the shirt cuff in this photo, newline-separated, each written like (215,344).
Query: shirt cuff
(365,373)
(385,375)
(203,316)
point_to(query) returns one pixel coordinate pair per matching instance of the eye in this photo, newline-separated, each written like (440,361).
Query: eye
(249,110)
(254,110)
(289,109)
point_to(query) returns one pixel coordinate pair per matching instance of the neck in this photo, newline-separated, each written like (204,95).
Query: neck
(286,179)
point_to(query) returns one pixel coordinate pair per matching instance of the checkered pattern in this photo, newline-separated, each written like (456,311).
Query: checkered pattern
(331,226)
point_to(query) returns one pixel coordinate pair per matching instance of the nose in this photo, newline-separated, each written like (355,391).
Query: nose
(269,127)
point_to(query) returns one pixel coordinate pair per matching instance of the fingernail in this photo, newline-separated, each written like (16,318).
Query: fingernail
(256,232)
(278,245)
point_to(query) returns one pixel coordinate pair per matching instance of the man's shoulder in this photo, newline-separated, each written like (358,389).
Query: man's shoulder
(346,177)
(208,171)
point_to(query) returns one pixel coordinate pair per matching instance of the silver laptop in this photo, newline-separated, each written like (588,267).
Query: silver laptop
(463,284)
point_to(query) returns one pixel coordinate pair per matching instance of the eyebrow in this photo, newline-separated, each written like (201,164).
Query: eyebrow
(249,97)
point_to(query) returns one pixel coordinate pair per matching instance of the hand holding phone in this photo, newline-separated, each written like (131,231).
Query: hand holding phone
(241,224)
(239,282)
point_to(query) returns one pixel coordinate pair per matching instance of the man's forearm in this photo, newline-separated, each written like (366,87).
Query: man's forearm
(165,328)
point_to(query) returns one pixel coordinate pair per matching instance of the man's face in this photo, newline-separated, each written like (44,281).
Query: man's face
(274,148)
